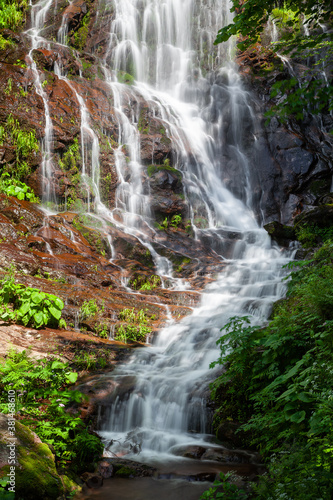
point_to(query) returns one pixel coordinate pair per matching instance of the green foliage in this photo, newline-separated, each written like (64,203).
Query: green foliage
(4,42)
(175,222)
(80,36)
(12,13)
(223,489)
(152,169)
(124,77)
(24,142)
(278,383)
(4,493)
(249,21)
(29,306)
(310,235)
(141,282)
(72,158)
(13,187)
(43,393)
(90,308)
(135,329)
(91,360)
(102,331)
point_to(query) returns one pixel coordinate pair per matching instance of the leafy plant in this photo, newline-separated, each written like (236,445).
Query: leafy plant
(278,384)
(90,308)
(4,492)
(12,14)
(5,43)
(223,489)
(136,328)
(71,158)
(310,235)
(102,331)
(29,306)
(248,24)
(80,36)
(13,187)
(43,395)
(176,220)
(24,142)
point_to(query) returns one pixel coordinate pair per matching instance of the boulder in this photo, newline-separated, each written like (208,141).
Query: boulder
(36,477)
(283,235)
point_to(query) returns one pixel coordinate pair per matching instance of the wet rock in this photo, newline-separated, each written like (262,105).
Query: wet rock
(321,216)
(228,456)
(283,235)
(189,451)
(105,469)
(92,480)
(44,58)
(126,468)
(168,205)
(228,431)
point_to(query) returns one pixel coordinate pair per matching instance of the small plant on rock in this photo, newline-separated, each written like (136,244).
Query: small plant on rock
(136,328)
(29,306)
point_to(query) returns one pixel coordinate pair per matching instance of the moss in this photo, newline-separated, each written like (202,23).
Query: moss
(36,474)
(124,77)
(125,472)
(320,187)
(80,37)
(136,252)
(93,236)
(70,486)
(152,169)
(143,123)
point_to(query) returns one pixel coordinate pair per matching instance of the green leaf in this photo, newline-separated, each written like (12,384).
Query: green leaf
(38,318)
(24,308)
(298,417)
(72,377)
(55,312)
(305,397)
(58,302)
(57,365)
(37,297)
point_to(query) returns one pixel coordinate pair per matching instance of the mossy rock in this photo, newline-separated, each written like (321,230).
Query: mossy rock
(153,169)
(36,476)
(321,216)
(280,233)
(125,472)
(70,485)
(94,237)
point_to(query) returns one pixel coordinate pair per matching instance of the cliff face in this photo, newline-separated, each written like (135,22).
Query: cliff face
(291,165)
(293,160)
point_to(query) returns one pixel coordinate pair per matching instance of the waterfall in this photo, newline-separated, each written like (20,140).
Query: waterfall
(191,89)
(194,90)
(38,16)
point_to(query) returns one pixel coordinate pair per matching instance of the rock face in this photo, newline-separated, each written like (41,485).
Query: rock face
(292,163)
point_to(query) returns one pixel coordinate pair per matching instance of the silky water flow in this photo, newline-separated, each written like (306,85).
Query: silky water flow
(192,88)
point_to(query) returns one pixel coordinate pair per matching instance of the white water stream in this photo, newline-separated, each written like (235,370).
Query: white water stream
(194,90)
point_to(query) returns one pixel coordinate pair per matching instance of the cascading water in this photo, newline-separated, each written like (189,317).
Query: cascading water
(206,114)
(195,94)
(38,16)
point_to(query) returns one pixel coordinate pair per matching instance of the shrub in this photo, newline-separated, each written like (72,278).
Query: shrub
(29,306)
(278,383)
(43,394)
